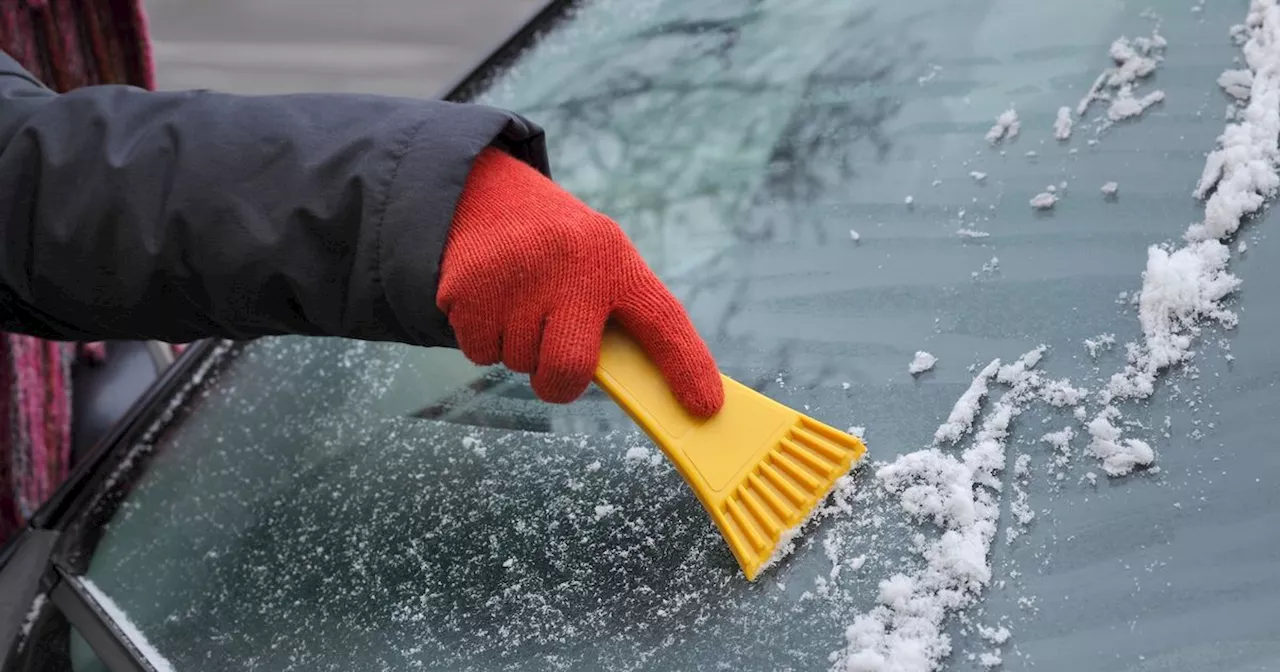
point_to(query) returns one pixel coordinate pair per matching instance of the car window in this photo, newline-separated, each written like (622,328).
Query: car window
(83,659)
(831,187)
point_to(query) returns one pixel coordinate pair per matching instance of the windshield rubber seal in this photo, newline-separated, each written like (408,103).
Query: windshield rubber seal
(478,77)
(88,618)
(22,580)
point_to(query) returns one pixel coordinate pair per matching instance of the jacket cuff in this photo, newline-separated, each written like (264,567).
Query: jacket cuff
(430,169)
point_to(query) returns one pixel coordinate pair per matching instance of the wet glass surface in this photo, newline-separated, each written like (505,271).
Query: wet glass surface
(330,505)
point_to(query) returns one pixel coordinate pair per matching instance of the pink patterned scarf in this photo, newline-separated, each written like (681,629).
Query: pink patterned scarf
(66,44)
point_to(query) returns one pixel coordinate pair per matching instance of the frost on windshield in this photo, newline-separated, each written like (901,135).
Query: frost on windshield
(399,545)
(767,186)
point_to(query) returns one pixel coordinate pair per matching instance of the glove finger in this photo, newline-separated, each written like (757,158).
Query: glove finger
(569,354)
(657,321)
(479,339)
(520,342)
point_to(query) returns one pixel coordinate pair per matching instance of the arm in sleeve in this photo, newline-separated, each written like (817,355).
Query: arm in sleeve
(176,216)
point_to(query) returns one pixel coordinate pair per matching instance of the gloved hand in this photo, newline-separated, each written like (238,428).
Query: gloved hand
(530,275)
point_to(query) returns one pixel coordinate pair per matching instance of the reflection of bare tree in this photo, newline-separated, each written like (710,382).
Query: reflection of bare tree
(818,148)
(660,98)
(722,34)
(655,115)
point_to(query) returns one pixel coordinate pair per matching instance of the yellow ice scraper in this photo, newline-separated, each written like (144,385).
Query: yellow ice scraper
(758,467)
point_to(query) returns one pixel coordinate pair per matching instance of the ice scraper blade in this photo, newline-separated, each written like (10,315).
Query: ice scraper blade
(758,467)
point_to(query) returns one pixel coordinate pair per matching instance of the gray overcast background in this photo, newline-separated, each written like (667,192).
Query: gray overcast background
(396,47)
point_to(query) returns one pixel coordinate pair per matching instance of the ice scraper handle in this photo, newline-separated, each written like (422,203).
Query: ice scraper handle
(758,467)
(627,374)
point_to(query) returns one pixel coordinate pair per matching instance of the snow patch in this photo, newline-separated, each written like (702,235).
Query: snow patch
(473,444)
(638,454)
(905,631)
(33,614)
(1239,33)
(603,510)
(970,233)
(1020,507)
(1012,373)
(1061,442)
(831,548)
(1119,456)
(923,362)
(1241,173)
(1061,393)
(1006,127)
(1237,83)
(1126,106)
(1062,125)
(966,407)
(994,635)
(1099,343)
(1180,290)
(1044,200)
(1134,60)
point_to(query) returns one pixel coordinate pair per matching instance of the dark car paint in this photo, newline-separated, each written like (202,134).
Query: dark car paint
(25,562)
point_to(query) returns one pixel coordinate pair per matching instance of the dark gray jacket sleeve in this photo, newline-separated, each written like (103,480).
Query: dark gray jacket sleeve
(176,216)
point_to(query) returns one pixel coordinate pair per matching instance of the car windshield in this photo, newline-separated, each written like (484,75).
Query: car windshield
(830,186)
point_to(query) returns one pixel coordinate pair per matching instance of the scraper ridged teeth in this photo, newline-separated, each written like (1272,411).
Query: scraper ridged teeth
(780,491)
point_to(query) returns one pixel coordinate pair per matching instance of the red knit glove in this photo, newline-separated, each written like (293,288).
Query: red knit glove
(530,275)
